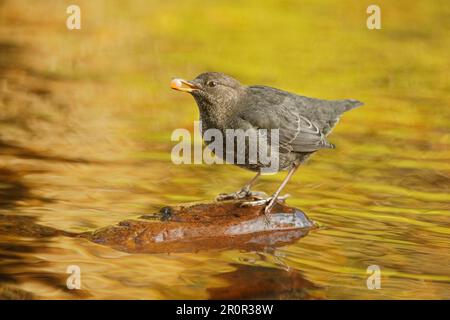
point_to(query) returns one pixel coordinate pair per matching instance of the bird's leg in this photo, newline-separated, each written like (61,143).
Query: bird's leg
(276,195)
(270,202)
(243,193)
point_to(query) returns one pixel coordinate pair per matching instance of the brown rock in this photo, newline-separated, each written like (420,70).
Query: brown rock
(205,226)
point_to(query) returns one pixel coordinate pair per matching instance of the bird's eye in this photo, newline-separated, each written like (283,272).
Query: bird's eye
(211,83)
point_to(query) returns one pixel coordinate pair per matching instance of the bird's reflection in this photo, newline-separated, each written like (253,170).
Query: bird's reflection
(260,282)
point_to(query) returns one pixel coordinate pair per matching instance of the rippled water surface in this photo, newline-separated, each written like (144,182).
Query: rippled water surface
(85,124)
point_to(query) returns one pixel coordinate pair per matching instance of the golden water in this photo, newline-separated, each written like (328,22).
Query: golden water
(85,124)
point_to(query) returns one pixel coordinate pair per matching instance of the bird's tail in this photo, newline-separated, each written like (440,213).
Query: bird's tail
(338,107)
(348,104)
(327,145)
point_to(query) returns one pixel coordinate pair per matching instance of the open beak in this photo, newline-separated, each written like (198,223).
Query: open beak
(183,85)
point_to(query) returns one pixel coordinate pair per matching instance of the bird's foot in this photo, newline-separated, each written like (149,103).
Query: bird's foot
(264,202)
(241,194)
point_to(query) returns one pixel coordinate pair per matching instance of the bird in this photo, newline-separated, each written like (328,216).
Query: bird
(302,123)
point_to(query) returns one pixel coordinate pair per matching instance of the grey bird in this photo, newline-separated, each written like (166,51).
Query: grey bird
(302,122)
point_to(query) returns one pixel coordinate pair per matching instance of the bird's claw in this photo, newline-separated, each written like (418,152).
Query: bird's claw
(262,202)
(255,203)
(241,194)
(269,203)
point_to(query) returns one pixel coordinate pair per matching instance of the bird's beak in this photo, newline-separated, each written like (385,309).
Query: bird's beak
(183,85)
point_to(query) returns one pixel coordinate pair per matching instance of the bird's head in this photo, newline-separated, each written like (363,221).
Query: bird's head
(211,90)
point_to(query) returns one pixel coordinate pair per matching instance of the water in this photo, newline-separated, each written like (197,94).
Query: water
(85,143)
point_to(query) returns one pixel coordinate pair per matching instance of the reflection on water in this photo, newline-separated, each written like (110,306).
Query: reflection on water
(85,143)
(257,282)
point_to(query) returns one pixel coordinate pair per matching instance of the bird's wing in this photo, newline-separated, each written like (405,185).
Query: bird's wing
(269,108)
